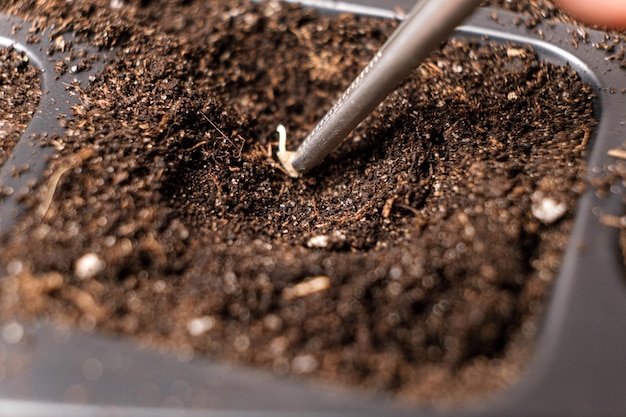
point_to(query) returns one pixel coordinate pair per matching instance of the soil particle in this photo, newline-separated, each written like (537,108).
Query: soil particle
(409,262)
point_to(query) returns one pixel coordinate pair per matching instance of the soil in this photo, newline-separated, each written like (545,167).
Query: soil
(19,95)
(414,261)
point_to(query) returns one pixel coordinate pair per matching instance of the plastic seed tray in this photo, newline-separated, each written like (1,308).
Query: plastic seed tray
(578,369)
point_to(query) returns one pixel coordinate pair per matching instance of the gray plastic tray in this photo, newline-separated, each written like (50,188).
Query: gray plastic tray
(579,368)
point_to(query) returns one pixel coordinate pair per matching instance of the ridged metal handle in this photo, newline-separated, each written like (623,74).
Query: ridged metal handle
(425,27)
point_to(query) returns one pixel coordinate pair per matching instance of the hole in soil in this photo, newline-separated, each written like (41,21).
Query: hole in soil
(438,225)
(415,260)
(20,93)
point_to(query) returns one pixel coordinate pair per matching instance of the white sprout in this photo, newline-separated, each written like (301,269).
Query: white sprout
(282,138)
(285,156)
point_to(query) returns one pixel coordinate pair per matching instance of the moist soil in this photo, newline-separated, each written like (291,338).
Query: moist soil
(19,95)
(414,261)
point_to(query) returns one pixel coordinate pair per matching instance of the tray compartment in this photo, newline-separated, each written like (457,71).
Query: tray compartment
(577,369)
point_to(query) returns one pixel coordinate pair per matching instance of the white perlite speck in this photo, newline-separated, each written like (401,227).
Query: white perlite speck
(547,209)
(322,241)
(12,332)
(116,4)
(304,364)
(200,325)
(88,266)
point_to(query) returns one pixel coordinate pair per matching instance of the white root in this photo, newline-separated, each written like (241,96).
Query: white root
(282,138)
(284,156)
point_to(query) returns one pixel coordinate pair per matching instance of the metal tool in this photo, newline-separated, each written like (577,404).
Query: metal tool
(428,23)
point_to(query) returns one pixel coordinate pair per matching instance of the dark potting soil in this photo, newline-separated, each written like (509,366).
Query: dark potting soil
(19,95)
(415,260)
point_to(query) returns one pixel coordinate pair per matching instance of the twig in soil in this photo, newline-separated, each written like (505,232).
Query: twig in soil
(409,208)
(216,128)
(617,153)
(586,136)
(53,183)
(391,203)
(224,135)
(204,142)
(387,207)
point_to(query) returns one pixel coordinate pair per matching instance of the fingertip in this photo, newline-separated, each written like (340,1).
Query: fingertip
(609,13)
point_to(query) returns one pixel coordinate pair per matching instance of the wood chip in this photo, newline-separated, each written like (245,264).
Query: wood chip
(307,287)
(613,221)
(617,153)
